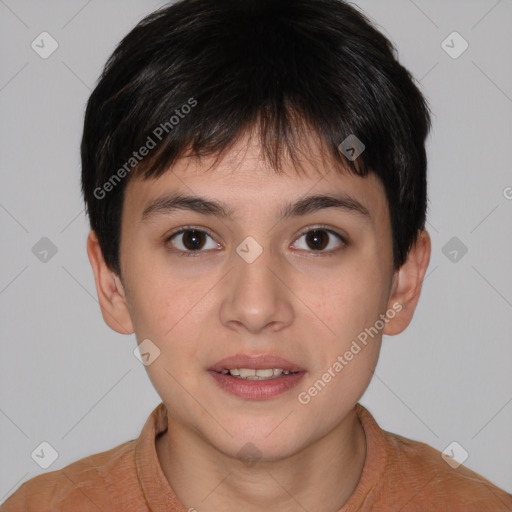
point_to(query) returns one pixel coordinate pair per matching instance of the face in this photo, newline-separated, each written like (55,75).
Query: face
(203,287)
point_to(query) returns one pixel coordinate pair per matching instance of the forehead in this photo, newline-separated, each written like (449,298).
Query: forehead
(242,180)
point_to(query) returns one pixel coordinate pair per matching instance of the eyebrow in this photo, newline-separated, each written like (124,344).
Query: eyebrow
(170,203)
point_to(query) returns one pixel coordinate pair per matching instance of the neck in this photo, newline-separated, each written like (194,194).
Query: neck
(321,476)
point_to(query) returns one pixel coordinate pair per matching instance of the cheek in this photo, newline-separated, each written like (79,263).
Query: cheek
(351,303)
(162,304)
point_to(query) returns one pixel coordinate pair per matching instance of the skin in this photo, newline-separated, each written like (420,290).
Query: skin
(293,300)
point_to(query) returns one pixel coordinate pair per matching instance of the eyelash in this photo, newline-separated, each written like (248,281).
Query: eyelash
(195,254)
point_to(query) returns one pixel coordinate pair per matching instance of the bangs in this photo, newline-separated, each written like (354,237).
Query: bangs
(283,135)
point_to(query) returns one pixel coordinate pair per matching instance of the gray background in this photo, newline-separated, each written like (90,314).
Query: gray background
(67,379)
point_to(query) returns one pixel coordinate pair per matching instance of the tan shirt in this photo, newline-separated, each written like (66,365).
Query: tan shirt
(398,475)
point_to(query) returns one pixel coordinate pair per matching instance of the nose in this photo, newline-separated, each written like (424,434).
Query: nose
(256,296)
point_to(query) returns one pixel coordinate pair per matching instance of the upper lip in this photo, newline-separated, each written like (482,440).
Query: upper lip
(255,362)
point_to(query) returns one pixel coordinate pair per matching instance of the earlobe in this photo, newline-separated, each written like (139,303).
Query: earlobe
(111,293)
(407,284)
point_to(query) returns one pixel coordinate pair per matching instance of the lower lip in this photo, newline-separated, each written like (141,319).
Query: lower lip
(256,389)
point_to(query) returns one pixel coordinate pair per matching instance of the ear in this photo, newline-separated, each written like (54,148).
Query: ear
(111,293)
(407,283)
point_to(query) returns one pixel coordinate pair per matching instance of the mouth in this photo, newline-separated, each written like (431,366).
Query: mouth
(256,376)
(253,367)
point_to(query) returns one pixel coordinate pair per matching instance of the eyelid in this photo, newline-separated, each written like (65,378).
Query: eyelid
(323,227)
(189,228)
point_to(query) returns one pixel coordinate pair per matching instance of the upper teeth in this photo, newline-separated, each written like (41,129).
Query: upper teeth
(245,373)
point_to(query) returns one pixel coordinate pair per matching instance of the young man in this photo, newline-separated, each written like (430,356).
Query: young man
(255,176)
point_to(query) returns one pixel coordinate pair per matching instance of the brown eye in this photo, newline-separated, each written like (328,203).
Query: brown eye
(317,240)
(191,240)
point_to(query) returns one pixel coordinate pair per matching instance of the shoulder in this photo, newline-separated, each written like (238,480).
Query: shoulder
(88,484)
(439,481)
(412,476)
